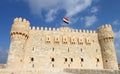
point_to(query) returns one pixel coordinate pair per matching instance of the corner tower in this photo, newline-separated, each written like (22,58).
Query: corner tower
(19,35)
(106,40)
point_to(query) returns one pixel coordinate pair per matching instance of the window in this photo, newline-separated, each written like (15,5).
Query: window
(52,65)
(48,39)
(33,49)
(65,59)
(82,60)
(57,39)
(71,59)
(106,61)
(81,49)
(96,50)
(32,59)
(98,60)
(68,50)
(65,40)
(81,41)
(68,65)
(52,59)
(33,65)
(53,49)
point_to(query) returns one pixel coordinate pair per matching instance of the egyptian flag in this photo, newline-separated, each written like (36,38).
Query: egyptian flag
(66,20)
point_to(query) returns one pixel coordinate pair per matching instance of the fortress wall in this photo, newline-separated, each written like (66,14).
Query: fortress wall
(73,49)
(66,71)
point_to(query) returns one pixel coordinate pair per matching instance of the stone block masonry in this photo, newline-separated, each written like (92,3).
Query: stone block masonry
(62,50)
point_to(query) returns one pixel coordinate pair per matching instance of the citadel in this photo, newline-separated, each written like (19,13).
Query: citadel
(35,50)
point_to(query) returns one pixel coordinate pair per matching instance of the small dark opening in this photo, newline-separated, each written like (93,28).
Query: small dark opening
(65,59)
(68,50)
(68,65)
(71,59)
(106,61)
(52,59)
(52,65)
(33,48)
(82,60)
(48,38)
(33,65)
(32,59)
(98,60)
(81,49)
(53,49)
(96,50)
(21,60)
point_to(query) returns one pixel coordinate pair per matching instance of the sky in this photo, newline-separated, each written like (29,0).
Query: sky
(83,14)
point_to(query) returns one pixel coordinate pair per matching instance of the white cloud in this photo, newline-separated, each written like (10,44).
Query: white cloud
(94,9)
(116,22)
(50,16)
(72,7)
(90,20)
(117,44)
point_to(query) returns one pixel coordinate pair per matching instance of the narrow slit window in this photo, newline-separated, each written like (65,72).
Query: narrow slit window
(68,65)
(65,59)
(68,50)
(53,49)
(33,48)
(98,60)
(106,61)
(32,59)
(81,49)
(52,59)
(52,65)
(71,59)
(33,65)
(82,60)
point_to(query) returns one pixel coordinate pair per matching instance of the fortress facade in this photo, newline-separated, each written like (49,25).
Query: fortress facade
(62,48)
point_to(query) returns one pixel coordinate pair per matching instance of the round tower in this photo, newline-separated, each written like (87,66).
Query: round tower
(19,35)
(106,40)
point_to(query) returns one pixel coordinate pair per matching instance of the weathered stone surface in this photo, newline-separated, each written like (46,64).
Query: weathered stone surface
(50,50)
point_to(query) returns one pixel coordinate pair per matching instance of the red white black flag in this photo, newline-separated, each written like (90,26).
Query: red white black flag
(66,20)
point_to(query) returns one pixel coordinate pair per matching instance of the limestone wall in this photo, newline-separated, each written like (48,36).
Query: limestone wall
(63,48)
(60,48)
(55,71)
(106,39)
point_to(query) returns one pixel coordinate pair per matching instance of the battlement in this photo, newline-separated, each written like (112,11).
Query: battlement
(22,21)
(62,29)
(104,27)
(20,27)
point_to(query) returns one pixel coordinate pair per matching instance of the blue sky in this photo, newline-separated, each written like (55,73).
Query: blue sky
(83,14)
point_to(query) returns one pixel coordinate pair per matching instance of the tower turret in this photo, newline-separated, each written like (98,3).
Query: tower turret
(106,40)
(19,35)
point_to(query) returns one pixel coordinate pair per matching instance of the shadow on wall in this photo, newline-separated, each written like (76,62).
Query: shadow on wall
(92,71)
(3,56)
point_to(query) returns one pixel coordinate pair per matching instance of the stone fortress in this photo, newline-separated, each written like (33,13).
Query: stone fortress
(55,50)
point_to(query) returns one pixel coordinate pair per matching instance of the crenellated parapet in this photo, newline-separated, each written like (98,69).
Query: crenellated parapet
(105,33)
(20,28)
(62,29)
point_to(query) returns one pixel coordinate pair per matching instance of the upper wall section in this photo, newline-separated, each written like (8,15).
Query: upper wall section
(62,29)
(105,32)
(21,26)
